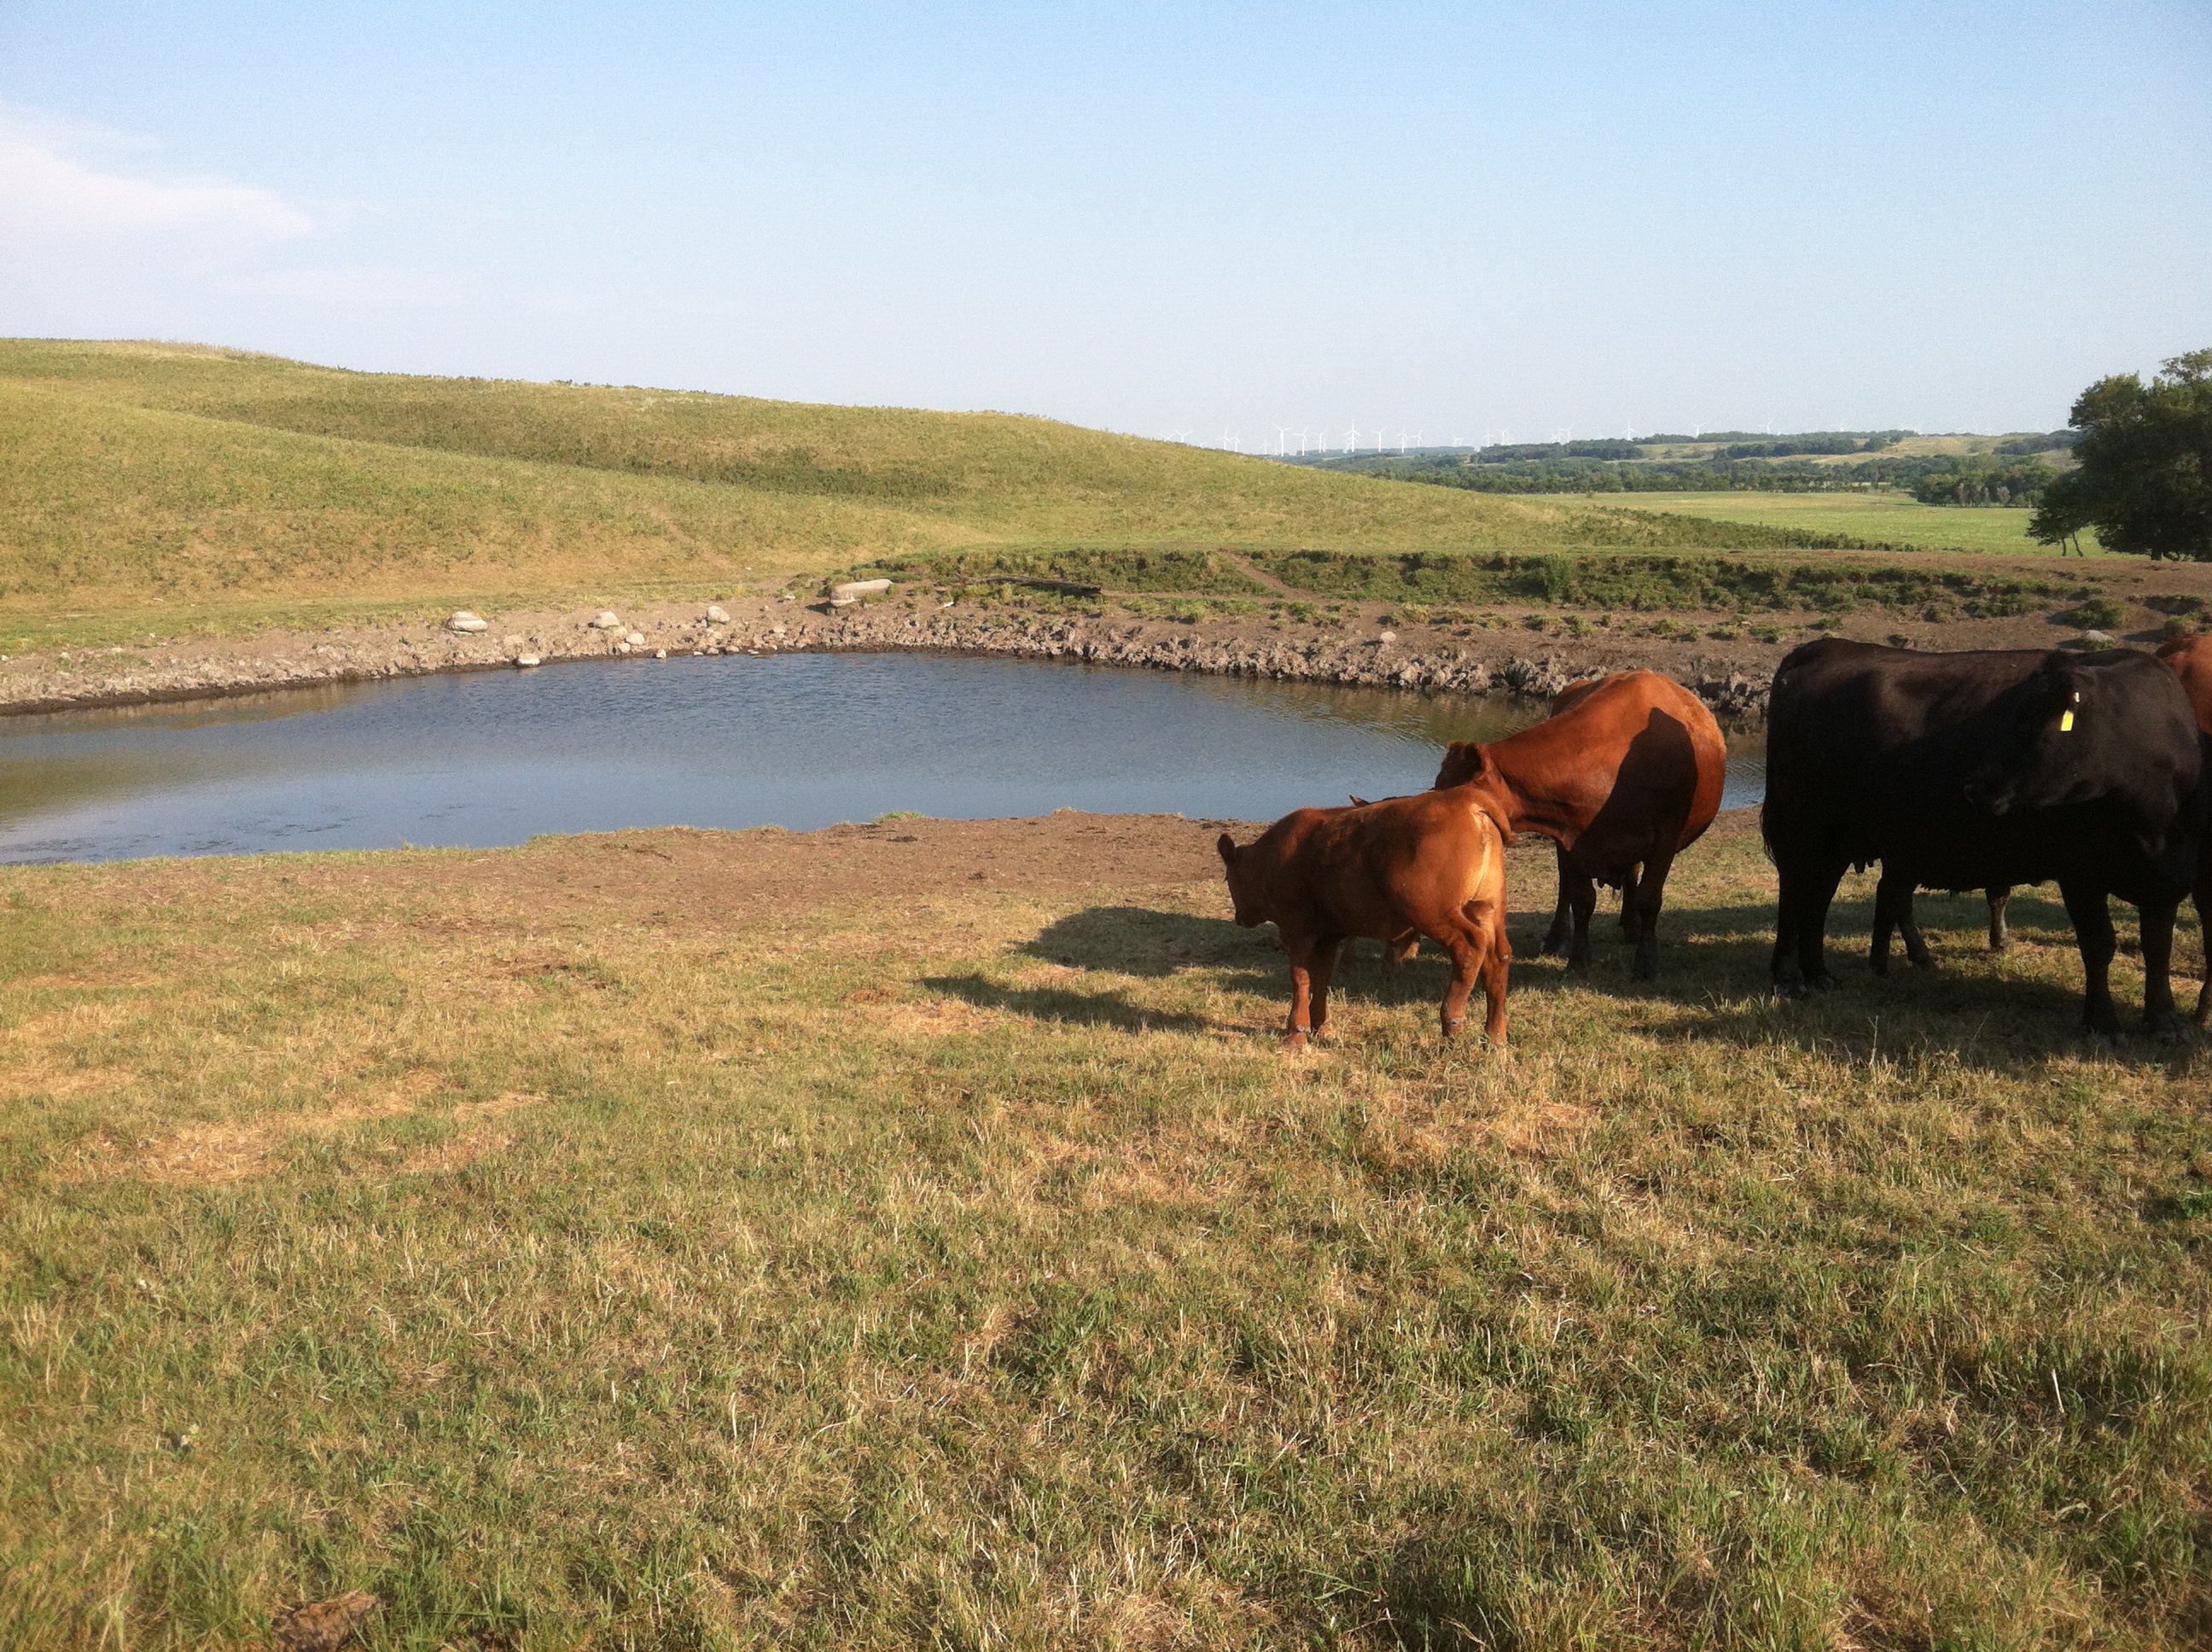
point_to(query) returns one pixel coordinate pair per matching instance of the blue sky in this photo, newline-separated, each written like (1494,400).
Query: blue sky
(1453,220)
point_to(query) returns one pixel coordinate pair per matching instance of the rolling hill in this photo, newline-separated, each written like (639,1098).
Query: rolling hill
(141,471)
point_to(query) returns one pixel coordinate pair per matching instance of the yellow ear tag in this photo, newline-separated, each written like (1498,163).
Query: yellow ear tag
(2066,724)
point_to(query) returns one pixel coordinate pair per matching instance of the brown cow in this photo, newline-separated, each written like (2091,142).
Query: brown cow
(1432,863)
(1624,775)
(2189,658)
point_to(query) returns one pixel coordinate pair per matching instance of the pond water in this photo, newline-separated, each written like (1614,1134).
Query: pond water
(796,740)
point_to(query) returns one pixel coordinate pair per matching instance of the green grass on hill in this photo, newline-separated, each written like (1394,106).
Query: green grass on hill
(149,473)
(502,1234)
(1893,518)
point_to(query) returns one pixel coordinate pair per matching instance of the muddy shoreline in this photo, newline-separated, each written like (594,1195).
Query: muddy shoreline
(1362,653)
(1366,647)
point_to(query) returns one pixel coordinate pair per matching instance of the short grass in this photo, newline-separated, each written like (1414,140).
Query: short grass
(142,473)
(1894,519)
(970,1270)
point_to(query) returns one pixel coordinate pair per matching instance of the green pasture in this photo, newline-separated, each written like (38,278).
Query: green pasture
(1892,519)
(575,1259)
(149,473)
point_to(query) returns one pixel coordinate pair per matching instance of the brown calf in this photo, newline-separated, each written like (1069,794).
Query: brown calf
(1624,775)
(1431,864)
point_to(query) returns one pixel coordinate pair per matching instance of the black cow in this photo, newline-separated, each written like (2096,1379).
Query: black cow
(1980,771)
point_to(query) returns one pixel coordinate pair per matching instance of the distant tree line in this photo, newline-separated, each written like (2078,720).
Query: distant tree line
(1985,480)
(1937,478)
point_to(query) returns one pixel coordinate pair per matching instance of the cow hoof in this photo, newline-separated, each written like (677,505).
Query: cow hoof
(2167,1028)
(1293,1041)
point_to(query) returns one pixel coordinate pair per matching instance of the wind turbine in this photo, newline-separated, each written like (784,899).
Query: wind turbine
(1282,431)
(1233,440)
(1182,436)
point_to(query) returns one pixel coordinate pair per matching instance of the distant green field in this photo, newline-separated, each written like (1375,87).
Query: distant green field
(1886,517)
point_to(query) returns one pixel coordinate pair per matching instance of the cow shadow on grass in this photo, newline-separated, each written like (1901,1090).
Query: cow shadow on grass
(1067,1007)
(1124,940)
(1713,966)
(1979,1007)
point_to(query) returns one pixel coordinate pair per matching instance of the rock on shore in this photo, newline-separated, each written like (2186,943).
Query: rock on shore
(1434,663)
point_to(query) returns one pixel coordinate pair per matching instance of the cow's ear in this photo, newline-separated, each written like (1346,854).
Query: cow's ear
(1227,844)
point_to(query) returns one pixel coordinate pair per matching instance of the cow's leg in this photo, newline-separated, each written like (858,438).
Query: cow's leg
(1306,952)
(1645,894)
(1799,963)
(1632,927)
(2093,934)
(1555,937)
(2160,1019)
(1324,964)
(1480,950)
(1885,920)
(1497,964)
(2203,898)
(1893,910)
(1582,897)
(2000,936)
(1908,930)
(1395,953)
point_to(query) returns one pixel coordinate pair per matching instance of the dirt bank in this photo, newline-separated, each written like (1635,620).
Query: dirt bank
(1364,644)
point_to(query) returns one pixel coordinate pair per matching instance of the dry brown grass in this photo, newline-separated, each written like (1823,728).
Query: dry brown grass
(674,1268)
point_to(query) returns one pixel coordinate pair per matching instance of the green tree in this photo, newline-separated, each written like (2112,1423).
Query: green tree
(2143,466)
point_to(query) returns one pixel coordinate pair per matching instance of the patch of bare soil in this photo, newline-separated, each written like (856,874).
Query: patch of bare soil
(682,872)
(716,875)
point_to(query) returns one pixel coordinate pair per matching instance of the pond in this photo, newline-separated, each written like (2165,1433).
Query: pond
(797,740)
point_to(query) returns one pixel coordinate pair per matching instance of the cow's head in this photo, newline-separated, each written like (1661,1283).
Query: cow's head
(1464,760)
(2038,757)
(1467,763)
(1241,895)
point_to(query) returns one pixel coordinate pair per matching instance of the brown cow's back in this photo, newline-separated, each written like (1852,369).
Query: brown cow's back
(1625,774)
(1593,730)
(2190,658)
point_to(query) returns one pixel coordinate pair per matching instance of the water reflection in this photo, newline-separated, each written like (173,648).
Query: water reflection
(798,740)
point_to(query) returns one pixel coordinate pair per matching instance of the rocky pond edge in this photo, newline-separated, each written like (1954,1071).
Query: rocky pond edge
(1408,657)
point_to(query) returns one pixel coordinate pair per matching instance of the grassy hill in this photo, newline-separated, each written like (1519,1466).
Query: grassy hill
(148,472)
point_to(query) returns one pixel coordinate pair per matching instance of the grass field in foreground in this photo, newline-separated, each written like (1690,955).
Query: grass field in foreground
(572,1261)
(1893,518)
